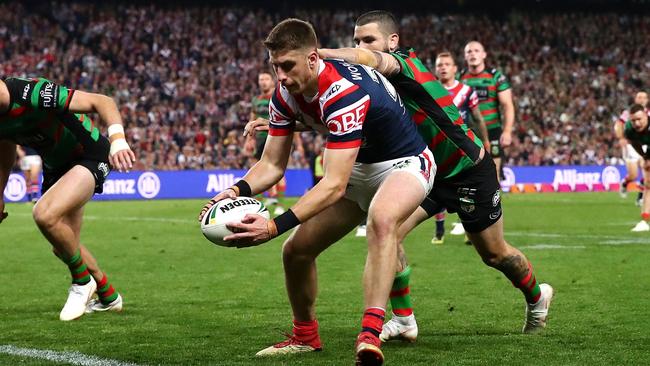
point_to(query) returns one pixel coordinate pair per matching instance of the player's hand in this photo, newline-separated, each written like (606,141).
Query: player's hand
(251,231)
(122,160)
(486,146)
(506,139)
(3,214)
(226,193)
(259,124)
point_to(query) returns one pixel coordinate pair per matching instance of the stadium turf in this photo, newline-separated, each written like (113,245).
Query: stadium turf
(188,302)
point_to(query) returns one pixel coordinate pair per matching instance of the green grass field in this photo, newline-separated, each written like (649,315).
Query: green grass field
(188,302)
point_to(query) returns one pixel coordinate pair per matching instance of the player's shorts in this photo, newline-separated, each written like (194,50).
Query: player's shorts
(28,161)
(99,170)
(474,194)
(260,141)
(366,178)
(494,135)
(630,155)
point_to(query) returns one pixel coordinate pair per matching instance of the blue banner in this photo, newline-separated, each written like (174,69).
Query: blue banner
(168,184)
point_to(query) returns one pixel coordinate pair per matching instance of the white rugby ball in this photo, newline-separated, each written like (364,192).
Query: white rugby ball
(227,211)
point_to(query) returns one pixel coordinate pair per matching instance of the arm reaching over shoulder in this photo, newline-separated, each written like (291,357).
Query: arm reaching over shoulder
(386,64)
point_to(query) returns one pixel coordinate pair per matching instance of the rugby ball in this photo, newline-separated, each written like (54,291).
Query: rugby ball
(227,211)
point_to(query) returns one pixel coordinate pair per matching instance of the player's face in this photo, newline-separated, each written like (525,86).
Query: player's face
(445,69)
(639,121)
(641,98)
(369,36)
(475,54)
(265,82)
(295,69)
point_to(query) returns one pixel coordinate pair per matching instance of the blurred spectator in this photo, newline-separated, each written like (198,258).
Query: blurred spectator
(184,77)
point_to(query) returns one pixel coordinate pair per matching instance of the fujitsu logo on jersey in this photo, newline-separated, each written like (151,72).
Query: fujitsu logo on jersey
(47,96)
(350,118)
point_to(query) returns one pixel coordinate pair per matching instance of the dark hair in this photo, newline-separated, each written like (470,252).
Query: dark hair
(446,54)
(636,108)
(291,34)
(384,19)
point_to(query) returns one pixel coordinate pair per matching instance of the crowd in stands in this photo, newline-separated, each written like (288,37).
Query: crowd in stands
(184,77)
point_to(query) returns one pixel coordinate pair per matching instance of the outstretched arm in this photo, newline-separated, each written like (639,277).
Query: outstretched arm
(382,61)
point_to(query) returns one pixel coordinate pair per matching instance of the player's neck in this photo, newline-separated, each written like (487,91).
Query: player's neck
(477,69)
(450,83)
(267,93)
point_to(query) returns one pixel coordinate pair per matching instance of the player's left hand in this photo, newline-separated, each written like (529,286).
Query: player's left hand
(506,139)
(251,231)
(122,160)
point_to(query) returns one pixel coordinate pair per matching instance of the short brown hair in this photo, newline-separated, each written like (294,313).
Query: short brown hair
(446,54)
(384,19)
(291,34)
(636,108)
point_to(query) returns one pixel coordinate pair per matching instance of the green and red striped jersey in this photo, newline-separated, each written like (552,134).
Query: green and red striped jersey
(487,84)
(260,108)
(455,147)
(38,117)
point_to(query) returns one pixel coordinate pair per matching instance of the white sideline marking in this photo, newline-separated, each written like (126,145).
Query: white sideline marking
(127,218)
(552,246)
(74,358)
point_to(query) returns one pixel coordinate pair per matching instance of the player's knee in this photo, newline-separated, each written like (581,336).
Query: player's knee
(382,226)
(293,252)
(43,216)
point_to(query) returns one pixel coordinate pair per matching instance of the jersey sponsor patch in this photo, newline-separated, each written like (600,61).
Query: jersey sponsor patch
(350,118)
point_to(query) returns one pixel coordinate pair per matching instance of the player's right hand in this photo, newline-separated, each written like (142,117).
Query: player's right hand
(259,124)
(227,193)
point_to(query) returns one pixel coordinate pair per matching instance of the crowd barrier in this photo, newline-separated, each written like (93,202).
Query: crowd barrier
(205,184)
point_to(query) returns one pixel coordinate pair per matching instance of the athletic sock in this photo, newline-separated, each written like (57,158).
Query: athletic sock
(105,291)
(307,332)
(528,285)
(372,322)
(78,269)
(440,226)
(400,294)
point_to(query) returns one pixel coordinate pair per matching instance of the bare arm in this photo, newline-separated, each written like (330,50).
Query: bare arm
(382,61)
(270,169)
(480,122)
(121,156)
(508,108)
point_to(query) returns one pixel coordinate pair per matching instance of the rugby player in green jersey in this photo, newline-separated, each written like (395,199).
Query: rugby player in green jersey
(50,118)
(637,133)
(493,89)
(466,181)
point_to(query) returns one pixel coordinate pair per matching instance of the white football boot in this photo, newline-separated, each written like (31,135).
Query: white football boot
(94,305)
(278,210)
(458,229)
(289,347)
(536,314)
(78,297)
(400,327)
(641,226)
(361,231)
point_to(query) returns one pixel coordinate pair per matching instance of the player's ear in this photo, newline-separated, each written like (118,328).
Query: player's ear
(393,41)
(312,60)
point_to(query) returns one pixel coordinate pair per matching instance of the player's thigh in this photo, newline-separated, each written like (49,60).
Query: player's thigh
(326,228)
(632,167)
(68,194)
(395,200)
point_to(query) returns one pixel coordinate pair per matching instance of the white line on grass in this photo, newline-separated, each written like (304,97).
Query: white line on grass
(552,246)
(74,358)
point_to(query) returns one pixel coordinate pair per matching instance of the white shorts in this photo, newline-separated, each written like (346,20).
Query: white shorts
(366,178)
(630,155)
(27,162)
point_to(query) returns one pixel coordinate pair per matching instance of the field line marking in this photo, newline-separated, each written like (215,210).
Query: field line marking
(74,358)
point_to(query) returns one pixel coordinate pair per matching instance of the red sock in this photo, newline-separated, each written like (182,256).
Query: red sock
(372,322)
(645,216)
(307,332)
